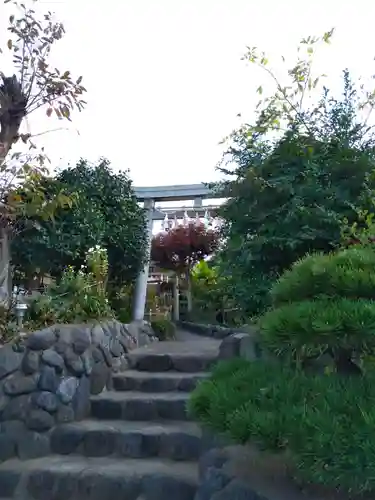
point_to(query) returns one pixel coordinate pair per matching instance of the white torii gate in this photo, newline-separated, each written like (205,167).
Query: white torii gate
(150,195)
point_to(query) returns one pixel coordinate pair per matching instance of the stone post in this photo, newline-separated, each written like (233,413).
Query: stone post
(176,298)
(141,284)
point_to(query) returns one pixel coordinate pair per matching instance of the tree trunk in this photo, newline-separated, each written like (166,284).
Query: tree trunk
(12,111)
(345,364)
(13,104)
(5,271)
(189,293)
(176,299)
(8,136)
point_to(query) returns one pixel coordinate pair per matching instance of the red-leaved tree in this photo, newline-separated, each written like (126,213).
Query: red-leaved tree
(183,246)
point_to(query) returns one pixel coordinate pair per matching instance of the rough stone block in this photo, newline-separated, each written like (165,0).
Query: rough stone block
(73,362)
(9,480)
(81,338)
(66,439)
(52,358)
(214,480)
(10,361)
(45,400)
(138,445)
(7,447)
(98,378)
(92,486)
(180,446)
(48,380)
(39,420)
(17,408)
(64,414)
(18,384)
(237,490)
(192,363)
(33,445)
(81,399)
(151,362)
(67,389)
(106,355)
(97,335)
(241,344)
(30,362)
(99,443)
(160,487)
(42,339)
(214,458)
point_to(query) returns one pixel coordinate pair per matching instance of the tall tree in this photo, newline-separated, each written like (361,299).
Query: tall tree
(34,85)
(289,194)
(105,213)
(182,247)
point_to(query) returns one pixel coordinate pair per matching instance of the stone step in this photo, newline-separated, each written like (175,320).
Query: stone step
(82,478)
(133,380)
(142,406)
(152,361)
(98,438)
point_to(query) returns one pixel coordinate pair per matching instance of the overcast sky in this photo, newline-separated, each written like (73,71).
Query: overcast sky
(165,78)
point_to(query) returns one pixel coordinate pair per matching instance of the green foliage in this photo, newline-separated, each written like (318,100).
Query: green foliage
(324,305)
(288,192)
(325,423)
(362,231)
(35,84)
(212,295)
(120,299)
(164,328)
(77,297)
(348,273)
(308,329)
(208,294)
(8,323)
(106,213)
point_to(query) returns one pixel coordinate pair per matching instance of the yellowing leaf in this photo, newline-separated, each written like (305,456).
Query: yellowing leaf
(10,44)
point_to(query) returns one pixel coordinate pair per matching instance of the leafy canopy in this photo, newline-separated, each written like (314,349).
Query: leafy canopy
(34,85)
(105,213)
(297,173)
(183,246)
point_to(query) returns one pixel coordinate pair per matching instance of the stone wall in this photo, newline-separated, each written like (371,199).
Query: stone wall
(213,331)
(47,379)
(236,342)
(237,472)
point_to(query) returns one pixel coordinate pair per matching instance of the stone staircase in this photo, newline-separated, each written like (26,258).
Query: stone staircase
(138,443)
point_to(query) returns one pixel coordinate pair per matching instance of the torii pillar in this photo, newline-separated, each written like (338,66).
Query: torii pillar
(142,279)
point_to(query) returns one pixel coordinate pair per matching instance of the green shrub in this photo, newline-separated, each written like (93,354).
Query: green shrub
(310,328)
(8,323)
(325,304)
(326,423)
(120,299)
(347,273)
(76,297)
(164,329)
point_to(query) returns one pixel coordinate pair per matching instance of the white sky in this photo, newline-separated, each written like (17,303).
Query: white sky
(165,80)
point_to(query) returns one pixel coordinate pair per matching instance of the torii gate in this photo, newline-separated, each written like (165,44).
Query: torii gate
(150,195)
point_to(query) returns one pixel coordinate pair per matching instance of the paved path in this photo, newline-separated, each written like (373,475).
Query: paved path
(185,343)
